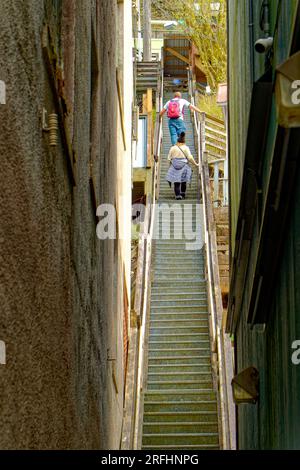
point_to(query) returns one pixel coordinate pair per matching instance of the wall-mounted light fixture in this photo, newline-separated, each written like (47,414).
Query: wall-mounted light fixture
(263,45)
(245,386)
(287,92)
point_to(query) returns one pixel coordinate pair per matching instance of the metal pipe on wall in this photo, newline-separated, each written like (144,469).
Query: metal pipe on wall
(251,39)
(147,53)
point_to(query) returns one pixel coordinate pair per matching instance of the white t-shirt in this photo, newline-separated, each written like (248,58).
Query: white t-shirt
(182,104)
(185,152)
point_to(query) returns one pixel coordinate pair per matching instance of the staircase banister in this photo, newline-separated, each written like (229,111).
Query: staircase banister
(215,297)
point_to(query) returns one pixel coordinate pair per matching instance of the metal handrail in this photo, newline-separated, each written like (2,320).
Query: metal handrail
(214,291)
(148,236)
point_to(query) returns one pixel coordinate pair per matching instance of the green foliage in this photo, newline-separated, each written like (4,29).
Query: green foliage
(208,104)
(205,27)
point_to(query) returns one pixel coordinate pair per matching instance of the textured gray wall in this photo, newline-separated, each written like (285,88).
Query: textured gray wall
(58,284)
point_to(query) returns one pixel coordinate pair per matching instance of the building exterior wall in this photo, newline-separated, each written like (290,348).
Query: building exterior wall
(62,289)
(274,422)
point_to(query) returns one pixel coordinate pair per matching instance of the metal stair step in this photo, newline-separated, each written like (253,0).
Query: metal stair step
(183,270)
(174,277)
(185,416)
(183,395)
(183,368)
(180,329)
(179,316)
(159,292)
(178,302)
(173,296)
(179,377)
(198,293)
(178,360)
(172,244)
(171,248)
(183,344)
(180,447)
(176,323)
(190,308)
(165,262)
(186,285)
(185,296)
(190,352)
(180,406)
(181,439)
(162,285)
(181,337)
(180,427)
(161,386)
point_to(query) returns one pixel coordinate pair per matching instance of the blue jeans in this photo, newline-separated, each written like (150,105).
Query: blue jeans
(176,126)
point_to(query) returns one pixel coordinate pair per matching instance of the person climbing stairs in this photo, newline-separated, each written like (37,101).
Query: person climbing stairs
(180,401)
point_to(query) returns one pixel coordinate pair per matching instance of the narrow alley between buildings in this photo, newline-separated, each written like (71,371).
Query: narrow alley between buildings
(150,231)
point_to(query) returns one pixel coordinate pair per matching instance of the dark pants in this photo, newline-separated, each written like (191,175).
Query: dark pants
(180,189)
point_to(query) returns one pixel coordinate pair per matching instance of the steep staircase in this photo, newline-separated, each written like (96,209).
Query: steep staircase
(147,75)
(180,403)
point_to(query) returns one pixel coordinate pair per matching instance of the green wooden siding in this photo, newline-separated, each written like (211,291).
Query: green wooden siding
(275,422)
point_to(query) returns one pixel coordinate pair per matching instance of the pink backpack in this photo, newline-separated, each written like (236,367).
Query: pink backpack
(174,109)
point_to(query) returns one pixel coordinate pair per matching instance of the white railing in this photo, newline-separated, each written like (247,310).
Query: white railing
(213,135)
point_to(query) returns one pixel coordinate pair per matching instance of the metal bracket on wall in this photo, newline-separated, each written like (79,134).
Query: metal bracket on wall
(113,363)
(93,189)
(121,107)
(51,128)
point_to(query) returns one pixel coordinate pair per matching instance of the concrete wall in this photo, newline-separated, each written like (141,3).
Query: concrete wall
(62,289)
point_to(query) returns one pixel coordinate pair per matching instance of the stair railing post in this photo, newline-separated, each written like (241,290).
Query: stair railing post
(225,185)
(216,184)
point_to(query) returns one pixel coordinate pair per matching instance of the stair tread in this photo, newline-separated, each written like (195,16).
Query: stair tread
(181,447)
(178,381)
(206,402)
(184,434)
(167,374)
(179,413)
(176,357)
(181,423)
(178,342)
(182,392)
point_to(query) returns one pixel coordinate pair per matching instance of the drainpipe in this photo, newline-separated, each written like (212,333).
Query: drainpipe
(265,26)
(147,53)
(266,18)
(140,47)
